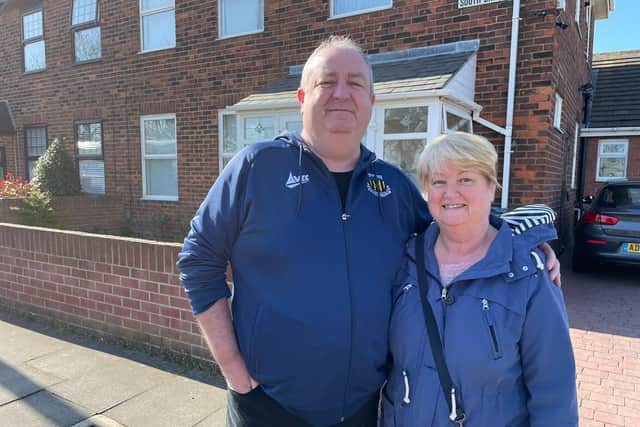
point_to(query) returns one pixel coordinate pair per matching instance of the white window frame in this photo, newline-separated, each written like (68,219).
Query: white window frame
(145,157)
(448,108)
(576,136)
(604,142)
(228,36)
(561,4)
(153,12)
(557,113)
(32,40)
(279,118)
(332,15)
(587,48)
(577,16)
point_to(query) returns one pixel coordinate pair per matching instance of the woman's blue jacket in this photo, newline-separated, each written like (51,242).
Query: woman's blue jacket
(505,335)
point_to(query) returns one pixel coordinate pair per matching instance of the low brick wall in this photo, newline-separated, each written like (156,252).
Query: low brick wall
(121,288)
(104,214)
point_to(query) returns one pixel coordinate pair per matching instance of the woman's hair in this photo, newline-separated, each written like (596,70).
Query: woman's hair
(463,150)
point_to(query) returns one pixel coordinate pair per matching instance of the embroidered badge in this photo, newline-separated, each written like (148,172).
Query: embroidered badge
(377,186)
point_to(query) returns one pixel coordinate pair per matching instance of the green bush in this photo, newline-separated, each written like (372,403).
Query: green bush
(56,172)
(36,210)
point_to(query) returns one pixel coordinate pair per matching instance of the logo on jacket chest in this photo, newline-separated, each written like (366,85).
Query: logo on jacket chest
(377,186)
(294,180)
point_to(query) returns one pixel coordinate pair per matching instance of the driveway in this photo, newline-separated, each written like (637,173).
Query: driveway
(604,313)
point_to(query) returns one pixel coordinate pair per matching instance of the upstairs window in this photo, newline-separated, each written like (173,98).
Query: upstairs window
(90,157)
(238,17)
(577,16)
(86,31)
(353,7)
(35,144)
(33,42)
(157,24)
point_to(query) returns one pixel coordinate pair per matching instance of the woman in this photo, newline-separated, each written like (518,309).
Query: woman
(502,323)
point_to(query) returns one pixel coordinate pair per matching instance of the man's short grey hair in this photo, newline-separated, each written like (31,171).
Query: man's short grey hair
(340,42)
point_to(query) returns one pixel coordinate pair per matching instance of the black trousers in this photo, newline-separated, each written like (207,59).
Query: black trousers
(257,409)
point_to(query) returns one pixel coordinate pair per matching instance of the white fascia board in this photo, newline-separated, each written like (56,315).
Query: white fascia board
(589,132)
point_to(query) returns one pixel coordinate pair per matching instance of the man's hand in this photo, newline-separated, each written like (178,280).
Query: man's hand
(240,382)
(553,264)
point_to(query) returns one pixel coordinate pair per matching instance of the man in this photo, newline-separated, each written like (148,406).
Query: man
(314,227)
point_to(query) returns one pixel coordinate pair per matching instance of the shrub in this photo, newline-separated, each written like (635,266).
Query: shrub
(56,172)
(36,205)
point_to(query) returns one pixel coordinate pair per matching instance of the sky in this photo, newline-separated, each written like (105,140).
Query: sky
(621,31)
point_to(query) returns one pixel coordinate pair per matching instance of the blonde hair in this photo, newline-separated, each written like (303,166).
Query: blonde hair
(338,42)
(464,150)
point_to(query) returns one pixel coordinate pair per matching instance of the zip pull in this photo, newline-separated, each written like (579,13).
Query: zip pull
(406,287)
(443,295)
(485,304)
(454,410)
(406,399)
(345,216)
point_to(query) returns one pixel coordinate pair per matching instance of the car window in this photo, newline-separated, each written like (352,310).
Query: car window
(620,197)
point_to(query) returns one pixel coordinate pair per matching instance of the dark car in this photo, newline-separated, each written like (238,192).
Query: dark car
(609,232)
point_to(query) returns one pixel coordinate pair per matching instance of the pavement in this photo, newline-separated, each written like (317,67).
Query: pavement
(53,378)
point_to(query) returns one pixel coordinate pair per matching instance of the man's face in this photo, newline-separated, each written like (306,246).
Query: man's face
(337,99)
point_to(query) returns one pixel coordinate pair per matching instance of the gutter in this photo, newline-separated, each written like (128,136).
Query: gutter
(622,131)
(507,131)
(511,95)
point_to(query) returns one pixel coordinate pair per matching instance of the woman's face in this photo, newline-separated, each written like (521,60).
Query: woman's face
(459,197)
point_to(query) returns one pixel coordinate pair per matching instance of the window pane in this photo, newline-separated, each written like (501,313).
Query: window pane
(92,176)
(226,160)
(241,16)
(34,56)
(32,25)
(87,44)
(89,139)
(404,153)
(84,11)
(159,30)
(162,178)
(160,136)
(612,167)
(620,197)
(612,148)
(229,134)
(293,125)
(36,141)
(405,120)
(31,164)
(456,123)
(348,6)
(148,5)
(258,128)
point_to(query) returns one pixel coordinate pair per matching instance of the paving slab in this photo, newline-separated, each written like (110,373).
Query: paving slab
(42,409)
(21,380)
(73,361)
(191,402)
(104,388)
(21,345)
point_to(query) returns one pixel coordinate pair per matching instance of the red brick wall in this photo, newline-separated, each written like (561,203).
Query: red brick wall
(204,74)
(591,186)
(126,288)
(105,214)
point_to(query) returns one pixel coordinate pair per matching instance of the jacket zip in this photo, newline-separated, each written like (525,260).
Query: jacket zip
(493,335)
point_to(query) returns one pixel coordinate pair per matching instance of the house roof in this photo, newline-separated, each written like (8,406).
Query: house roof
(616,101)
(7,125)
(413,70)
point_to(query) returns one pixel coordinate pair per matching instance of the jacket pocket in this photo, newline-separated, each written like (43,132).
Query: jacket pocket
(396,399)
(492,330)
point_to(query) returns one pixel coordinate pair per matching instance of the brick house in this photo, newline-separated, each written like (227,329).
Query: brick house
(612,132)
(156,95)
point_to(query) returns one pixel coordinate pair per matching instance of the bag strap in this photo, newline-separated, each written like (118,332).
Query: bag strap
(456,410)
